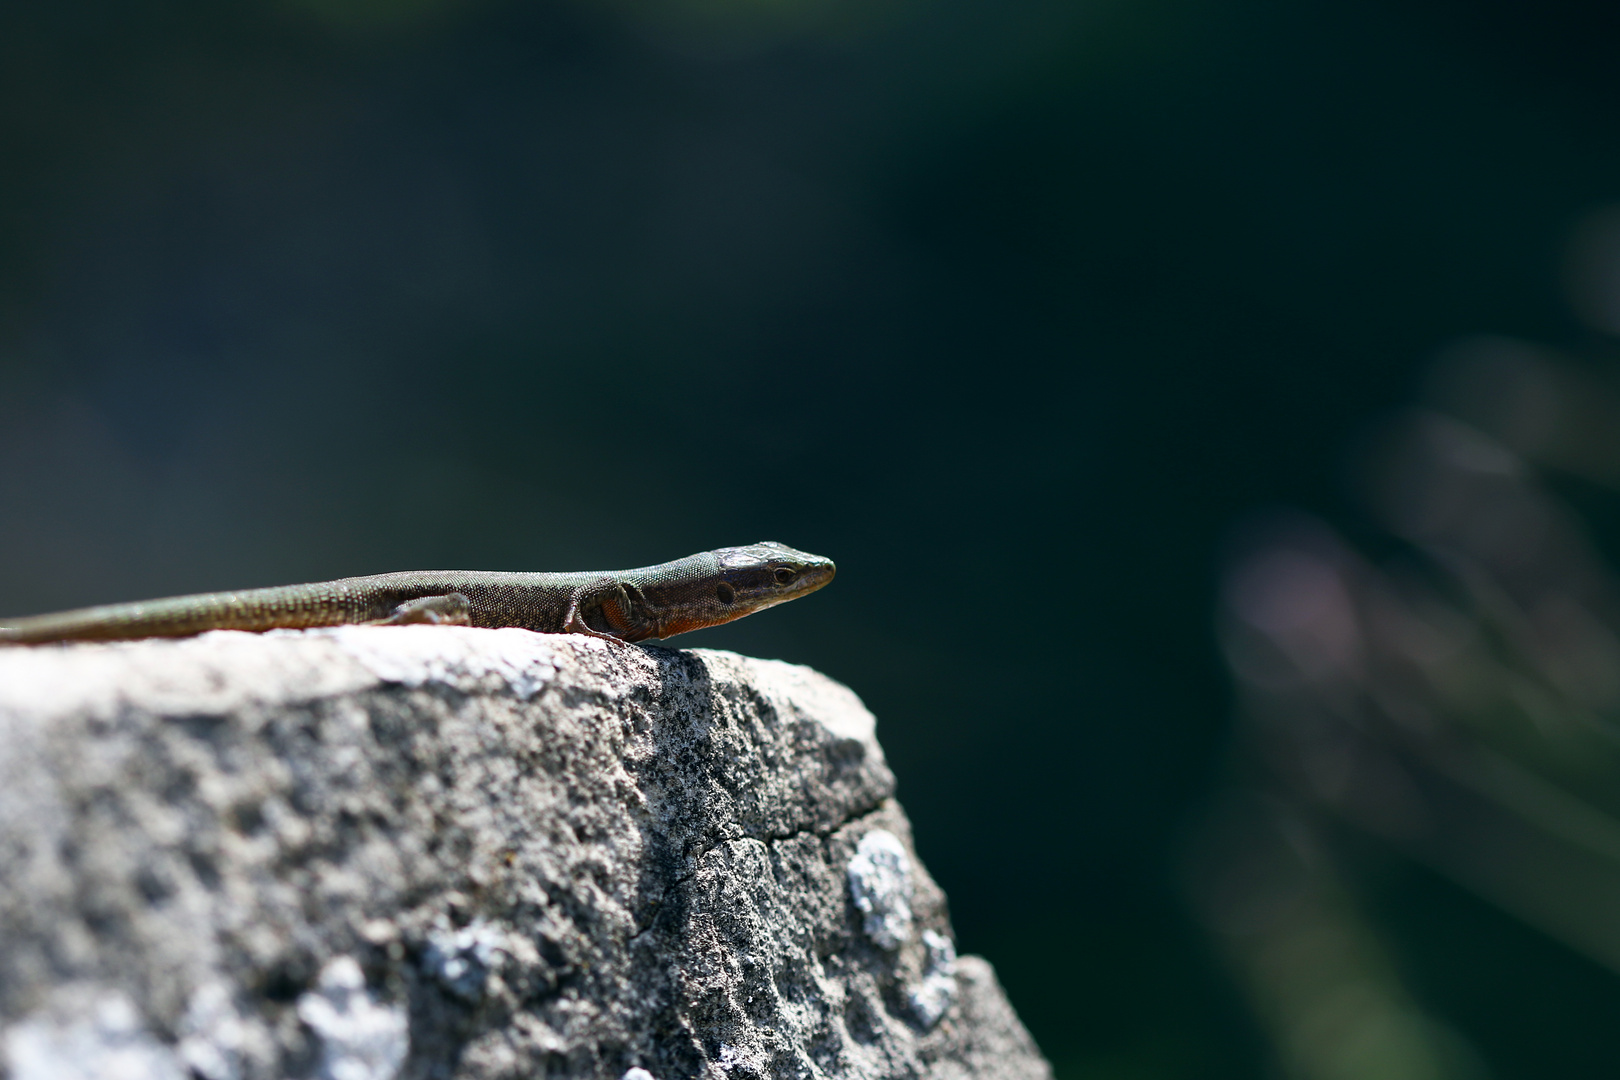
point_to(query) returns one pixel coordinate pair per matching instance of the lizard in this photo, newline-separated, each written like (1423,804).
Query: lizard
(660,601)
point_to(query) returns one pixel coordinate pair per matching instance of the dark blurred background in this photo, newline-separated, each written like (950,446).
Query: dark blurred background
(1012,307)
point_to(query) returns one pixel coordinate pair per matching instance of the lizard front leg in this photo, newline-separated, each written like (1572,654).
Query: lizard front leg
(612,607)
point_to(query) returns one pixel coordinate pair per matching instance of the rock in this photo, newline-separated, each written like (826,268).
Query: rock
(373,853)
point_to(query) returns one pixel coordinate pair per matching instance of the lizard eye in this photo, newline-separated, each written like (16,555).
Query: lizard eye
(725,593)
(782,575)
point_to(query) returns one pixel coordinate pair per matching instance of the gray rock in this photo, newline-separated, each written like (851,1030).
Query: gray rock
(411,852)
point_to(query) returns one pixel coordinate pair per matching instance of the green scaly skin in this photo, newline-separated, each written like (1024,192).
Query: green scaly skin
(660,601)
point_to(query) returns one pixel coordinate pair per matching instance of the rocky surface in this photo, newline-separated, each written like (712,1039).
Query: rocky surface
(411,852)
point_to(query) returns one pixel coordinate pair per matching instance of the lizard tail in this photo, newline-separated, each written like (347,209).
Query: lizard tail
(179,616)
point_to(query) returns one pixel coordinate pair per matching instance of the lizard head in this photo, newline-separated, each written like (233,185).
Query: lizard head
(719,586)
(765,574)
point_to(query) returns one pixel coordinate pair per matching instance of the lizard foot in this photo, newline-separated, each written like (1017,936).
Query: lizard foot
(451,609)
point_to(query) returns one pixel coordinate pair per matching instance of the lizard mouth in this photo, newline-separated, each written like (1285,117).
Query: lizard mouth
(812,577)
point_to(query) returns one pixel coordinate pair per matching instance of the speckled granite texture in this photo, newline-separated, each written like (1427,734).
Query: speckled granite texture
(410,852)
